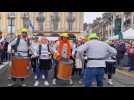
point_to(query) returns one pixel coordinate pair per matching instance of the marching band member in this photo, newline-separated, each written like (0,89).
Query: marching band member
(20,60)
(45,62)
(96,52)
(64,54)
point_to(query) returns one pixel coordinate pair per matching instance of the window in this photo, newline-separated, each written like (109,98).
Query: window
(40,20)
(25,16)
(11,25)
(55,20)
(11,22)
(11,14)
(25,23)
(70,21)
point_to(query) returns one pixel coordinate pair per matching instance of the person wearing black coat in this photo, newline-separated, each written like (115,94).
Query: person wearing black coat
(121,49)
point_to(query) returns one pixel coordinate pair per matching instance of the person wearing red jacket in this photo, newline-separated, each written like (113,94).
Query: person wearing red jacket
(131,56)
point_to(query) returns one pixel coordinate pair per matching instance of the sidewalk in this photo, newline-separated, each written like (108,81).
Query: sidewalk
(125,71)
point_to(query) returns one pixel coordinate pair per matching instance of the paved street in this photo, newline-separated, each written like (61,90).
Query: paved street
(119,80)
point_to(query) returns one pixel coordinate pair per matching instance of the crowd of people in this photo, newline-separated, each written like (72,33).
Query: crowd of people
(89,60)
(124,52)
(3,49)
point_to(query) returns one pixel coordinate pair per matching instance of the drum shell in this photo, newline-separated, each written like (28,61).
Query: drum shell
(64,71)
(20,67)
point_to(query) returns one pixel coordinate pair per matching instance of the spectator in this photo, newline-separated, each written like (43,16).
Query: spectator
(131,56)
(121,49)
(1,47)
(5,47)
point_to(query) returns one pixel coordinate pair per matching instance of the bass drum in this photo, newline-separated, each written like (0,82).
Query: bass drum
(20,67)
(65,70)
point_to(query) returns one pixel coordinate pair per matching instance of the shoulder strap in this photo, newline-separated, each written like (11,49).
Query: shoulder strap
(28,42)
(48,48)
(16,45)
(40,46)
(17,42)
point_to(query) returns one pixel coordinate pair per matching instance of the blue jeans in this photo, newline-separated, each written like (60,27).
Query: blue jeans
(42,72)
(93,73)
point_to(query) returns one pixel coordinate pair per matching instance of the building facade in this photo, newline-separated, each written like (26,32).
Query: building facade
(45,22)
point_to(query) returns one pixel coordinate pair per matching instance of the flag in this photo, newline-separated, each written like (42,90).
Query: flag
(31,25)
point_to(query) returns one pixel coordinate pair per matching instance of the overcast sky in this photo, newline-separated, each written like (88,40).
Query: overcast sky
(90,16)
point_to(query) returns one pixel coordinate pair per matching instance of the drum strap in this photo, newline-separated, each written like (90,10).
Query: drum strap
(102,58)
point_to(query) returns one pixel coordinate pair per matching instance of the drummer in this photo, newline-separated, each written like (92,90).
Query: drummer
(21,48)
(64,49)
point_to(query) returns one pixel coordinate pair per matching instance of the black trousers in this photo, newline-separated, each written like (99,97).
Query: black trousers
(109,76)
(77,71)
(4,56)
(34,62)
(56,69)
(1,55)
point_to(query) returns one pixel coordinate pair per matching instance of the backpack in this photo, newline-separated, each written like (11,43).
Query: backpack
(131,51)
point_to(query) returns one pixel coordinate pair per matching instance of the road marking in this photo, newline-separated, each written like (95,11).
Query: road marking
(126,73)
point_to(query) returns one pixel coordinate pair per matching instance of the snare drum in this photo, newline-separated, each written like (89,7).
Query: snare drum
(20,67)
(65,70)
